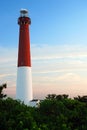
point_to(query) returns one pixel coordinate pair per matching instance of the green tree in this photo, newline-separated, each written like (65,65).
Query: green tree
(58,97)
(2,95)
(81,98)
(58,112)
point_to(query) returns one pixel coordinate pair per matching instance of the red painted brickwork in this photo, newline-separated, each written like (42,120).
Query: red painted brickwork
(24,57)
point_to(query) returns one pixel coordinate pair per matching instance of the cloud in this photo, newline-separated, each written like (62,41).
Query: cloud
(58,58)
(60,68)
(8,55)
(8,59)
(54,67)
(69,77)
(48,52)
(6,75)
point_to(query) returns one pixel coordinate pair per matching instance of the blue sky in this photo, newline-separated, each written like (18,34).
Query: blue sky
(53,22)
(58,36)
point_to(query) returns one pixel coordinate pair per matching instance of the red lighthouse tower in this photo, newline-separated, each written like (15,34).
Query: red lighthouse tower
(24,78)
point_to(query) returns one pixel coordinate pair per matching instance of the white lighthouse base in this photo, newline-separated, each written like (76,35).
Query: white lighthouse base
(24,84)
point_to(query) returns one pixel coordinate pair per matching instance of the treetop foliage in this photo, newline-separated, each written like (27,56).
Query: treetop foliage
(55,112)
(3,86)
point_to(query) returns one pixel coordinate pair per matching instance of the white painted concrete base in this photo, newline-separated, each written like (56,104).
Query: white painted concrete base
(24,84)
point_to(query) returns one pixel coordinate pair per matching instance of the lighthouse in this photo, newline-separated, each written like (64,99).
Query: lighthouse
(24,74)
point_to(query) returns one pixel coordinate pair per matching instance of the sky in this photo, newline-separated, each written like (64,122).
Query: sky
(58,37)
